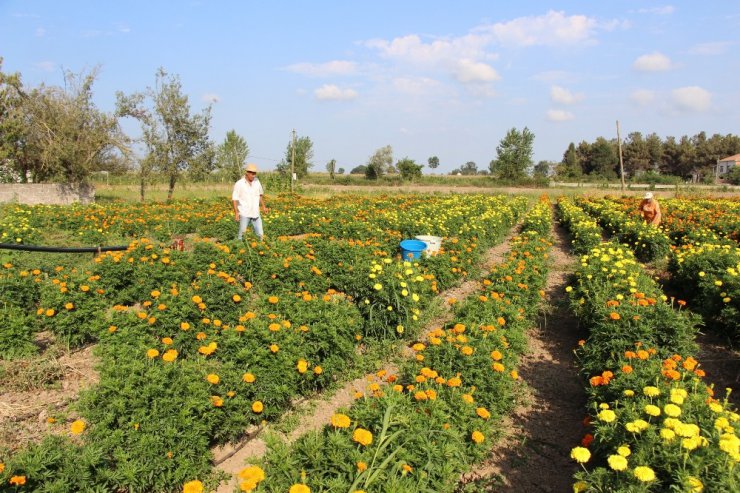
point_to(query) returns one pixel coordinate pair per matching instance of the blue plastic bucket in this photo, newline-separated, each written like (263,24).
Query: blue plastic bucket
(411,249)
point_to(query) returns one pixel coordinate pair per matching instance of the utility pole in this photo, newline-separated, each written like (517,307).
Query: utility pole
(621,160)
(292,164)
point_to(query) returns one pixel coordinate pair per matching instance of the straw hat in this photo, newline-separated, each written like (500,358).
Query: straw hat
(251,167)
(648,196)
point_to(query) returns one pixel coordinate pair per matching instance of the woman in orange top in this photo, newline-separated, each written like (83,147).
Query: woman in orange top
(650,209)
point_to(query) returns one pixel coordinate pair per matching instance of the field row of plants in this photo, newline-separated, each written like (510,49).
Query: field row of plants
(704,257)
(655,425)
(419,429)
(197,345)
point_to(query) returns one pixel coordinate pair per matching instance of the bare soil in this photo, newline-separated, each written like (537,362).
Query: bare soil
(35,394)
(533,454)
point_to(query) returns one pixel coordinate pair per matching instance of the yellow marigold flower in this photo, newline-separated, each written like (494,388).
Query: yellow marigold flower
(194,486)
(50,312)
(77,427)
(628,393)
(184,326)
(420,395)
(477,437)
(483,412)
(672,410)
(317,370)
(667,434)
(273,300)
(652,410)
(217,401)
(2,467)
(694,484)
(257,407)
(468,398)
(299,488)
(236,298)
(339,420)
(580,486)
(361,466)
(644,474)
(274,348)
(166,341)
(454,382)
(212,378)
(197,299)
(607,415)
(398,388)
(248,378)
(362,436)
(498,367)
(69,306)
(302,366)
(617,462)
(651,391)
(152,353)
(580,454)
(624,451)
(170,355)
(254,473)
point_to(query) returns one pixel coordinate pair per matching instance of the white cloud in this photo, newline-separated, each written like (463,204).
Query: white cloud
(559,115)
(664,10)
(333,68)
(551,29)
(564,96)
(40,32)
(472,71)
(415,85)
(652,62)
(46,66)
(123,28)
(210,98)
(331,92)
(691,98)
(642,97)
(716,48)
(411,49)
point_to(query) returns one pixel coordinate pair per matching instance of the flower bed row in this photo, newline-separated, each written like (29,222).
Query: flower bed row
(647,242)
(196,346)
(654,424)
(418,430)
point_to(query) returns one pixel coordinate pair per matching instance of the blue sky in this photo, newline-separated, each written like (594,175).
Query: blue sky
(427,77)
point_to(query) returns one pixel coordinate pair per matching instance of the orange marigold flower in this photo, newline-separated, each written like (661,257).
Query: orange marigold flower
(362,436)
(273,300)
(642,354)
(477,437)
(690,363)
(626,369)
(77,427)
(248,378)
(614,316)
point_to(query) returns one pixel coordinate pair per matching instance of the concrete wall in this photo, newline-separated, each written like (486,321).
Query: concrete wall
(46,193)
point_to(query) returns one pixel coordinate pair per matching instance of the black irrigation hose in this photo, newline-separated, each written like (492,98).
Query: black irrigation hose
(38,248)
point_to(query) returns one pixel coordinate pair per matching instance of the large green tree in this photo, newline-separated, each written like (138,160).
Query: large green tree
(303,157)
(231,155)
(57,134)
(408,169)
(379,163)
(514,155)
(174,139)
(433,162)
(570,166)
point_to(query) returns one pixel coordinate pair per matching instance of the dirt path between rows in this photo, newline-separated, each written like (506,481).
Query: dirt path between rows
(533,454)
(232,458)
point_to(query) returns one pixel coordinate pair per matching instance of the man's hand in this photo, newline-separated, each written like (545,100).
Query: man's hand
(236,216)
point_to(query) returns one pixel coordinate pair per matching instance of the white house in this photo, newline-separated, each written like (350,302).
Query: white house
(726,164)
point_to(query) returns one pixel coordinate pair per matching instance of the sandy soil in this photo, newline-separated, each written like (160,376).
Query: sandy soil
(36,391)
(533,454)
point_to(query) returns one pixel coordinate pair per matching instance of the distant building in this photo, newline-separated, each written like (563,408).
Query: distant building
(725,165)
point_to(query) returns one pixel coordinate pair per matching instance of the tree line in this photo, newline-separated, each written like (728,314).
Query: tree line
(58,134)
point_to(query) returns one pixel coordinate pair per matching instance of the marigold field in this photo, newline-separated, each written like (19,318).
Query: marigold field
(195,347)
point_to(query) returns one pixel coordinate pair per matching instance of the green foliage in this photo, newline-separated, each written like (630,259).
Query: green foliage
(302,152)
(408,169)
(378,164)
(514,154)
(175,140)
(231,155)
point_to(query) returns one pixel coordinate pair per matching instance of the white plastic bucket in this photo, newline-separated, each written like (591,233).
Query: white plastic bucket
(434,243)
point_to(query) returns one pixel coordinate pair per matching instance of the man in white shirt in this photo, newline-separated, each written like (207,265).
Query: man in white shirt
(248,198)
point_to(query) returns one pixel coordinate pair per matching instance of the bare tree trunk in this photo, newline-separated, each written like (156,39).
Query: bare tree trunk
(171,190)
(142,187)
